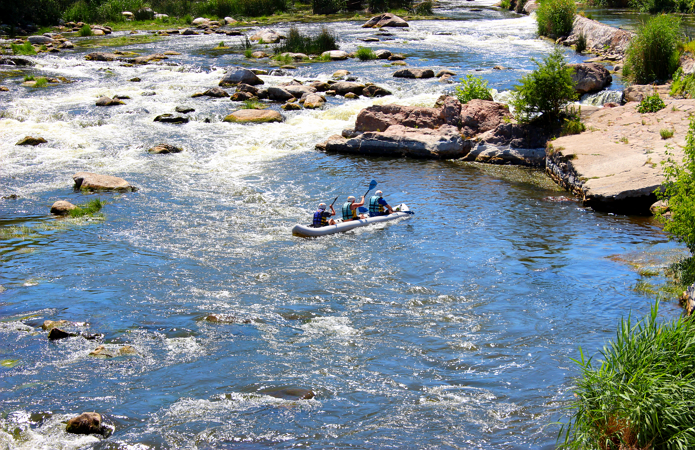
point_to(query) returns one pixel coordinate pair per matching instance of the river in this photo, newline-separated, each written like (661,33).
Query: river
(452,329)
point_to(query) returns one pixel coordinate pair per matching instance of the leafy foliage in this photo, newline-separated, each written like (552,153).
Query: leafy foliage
(663,6)
(472,87)
(651,104)
(653,54)
(296,42)
(572,123)
(683,85)
(546,90)
(555,17)
(643,393)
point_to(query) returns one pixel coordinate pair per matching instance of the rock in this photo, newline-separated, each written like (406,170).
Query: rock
(14,61)
(385,20)
(216,92)
(600,38)
(291,107)
(351,95)
(111,352)
(637,92)
(335,55)
(242,96)
(414,73)
(590,77)
(479,116)
(247,88)
(267,36)
(164,148)
(48,325)
(446,79)
(254,116)
(188,32)
(288,67)
(128,15)
(98,32)
(200,21)
(106,101)
(94,182)
(61,208)
(101,56)
(290,393)
(621,174)
(135,80)
(443,72)
(89,423)
(30,140)
(380,117)
(299,91)
(4,89)
(375,91)
(688,299)
(340,74)
(229,20)
(314,101)
(237,75)
(170,118)
(56,334)
(279,94)
(148,93)
(184,109)
(499,68)
(295,56)
(320,86)
(40,40)
(383,54)
(259,55)
(344,87)
(224,318)
(66,44)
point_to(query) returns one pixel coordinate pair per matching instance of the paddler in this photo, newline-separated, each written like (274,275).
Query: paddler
(322,217)
(378,206)
(350,209)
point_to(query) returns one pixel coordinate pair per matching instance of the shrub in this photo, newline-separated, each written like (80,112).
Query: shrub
(506,4)
(683,85)
(328,6)
(651,104)
(572,123)
(546,90)
(296,42)
(472,87)
(643,392)
(41,82)
(581,43)
(555,17)
(23,49)
(679,190)
(89,209)
(85,31)
(653,54)
(667,6)
(365,53)
(248,53)
(187,19)
(665,133)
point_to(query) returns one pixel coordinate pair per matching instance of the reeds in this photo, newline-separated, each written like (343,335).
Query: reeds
(296,42)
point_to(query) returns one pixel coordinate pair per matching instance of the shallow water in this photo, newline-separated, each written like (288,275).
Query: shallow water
(452,329)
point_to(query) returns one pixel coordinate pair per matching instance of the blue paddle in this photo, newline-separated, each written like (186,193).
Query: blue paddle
(372,185)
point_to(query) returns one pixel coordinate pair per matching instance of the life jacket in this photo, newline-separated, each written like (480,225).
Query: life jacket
(348,212)
(320,219)
(375,209)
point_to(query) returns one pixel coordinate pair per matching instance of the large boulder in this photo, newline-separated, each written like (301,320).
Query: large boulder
(95,182)
(314,101)
(161,149)
(380,117)
(267,36)
(385,20)
(375,91)
(637,92)
(590,77)
(216,92)
(335,55)
(600,38)
(89,423)
(479,116)
(343,87)
(40,40)
(237,75)
(279,94)
(414,73)
(62,208)
(254,116)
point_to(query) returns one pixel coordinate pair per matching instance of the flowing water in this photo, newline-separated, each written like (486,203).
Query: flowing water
(452,329)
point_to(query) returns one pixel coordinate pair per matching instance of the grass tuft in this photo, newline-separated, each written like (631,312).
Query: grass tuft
(665,133)
(89,209)
(296,42)
(365,53)
(25,49)
(85,31)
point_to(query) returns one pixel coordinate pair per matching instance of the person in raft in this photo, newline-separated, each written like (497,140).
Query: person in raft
(350,209)
(322,217)
(378,206)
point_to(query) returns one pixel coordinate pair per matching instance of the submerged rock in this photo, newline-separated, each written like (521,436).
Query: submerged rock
(113,352)
(89,423)
(225,319)
(170,118)
(290,393)
(96,182)
(30,140)
(61,208)
(164,149)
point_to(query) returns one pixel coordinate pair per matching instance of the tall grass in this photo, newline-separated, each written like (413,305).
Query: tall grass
(23,49)
(642,393)
(85,31)
(555,17)
(296,42)
(652,54)
(365,53)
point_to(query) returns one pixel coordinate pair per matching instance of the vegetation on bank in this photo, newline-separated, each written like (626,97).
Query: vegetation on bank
(653,54)
(641,395)
(297,42)
(555,17)
(472,87)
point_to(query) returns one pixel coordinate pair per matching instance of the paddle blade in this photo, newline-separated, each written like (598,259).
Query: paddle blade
(372,185)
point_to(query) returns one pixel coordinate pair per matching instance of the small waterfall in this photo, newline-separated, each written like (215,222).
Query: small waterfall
(601,98)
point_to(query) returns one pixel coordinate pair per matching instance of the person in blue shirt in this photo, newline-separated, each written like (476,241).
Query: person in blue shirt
(322,217)
(378,206)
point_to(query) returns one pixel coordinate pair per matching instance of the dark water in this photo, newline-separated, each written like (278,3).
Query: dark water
(452,329)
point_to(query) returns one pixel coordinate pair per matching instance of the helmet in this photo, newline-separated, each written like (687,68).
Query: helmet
(378,193)
(322,206)
(351,199)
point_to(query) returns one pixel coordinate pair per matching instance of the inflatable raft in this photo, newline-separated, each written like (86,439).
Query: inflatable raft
(401,211)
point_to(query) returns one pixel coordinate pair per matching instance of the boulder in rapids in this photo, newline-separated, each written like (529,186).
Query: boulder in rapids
(107,101)
(90,423)
(335,55)
(4,89)
(62,208)
(340,74)
(184,109)
(259,54)
(385,20)
(267,37)
(242,96)
(279,94)
(160,149)
(216,92)
(343,87)
(40,40)
(237,75)
(590,77)
(113,351)
(170,118)
(57,333)
(100,56)
(375,91)
(290,393)
(299,91)
(382,54)
(290,107)
(443,72)
(224,319)
(414,73)
(48,325)
(314,101)
(254,116)
(30,140)
(95,182)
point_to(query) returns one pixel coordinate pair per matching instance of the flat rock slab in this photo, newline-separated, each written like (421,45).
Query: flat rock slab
(254,116)
(615,165)
(95,182)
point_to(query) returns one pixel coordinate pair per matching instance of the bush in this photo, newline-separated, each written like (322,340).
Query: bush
(85,31)
(472,87)
(651,104)
(652,54)
(385,5)
(506,4)
(581,43)
(643,393)
(683,85)
(23,49)
(296,42)
(546,90)
(665,133)
(555,17)
(572,123)
(659,6)
(365,53)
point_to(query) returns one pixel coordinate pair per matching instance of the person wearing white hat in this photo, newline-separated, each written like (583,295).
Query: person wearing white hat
(350,209)
(378,206)
(322,217)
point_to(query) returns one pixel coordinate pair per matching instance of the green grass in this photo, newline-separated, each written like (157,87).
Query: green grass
(248,53)
(641,394)
(29,78)
(653,54)
(88,209)
(17,232)
(296,42)
(85,31)
(117,41)
(41,82)
(253,104)
(651,104)
(25,49)
(665,133)
(365,53)
(555,17)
